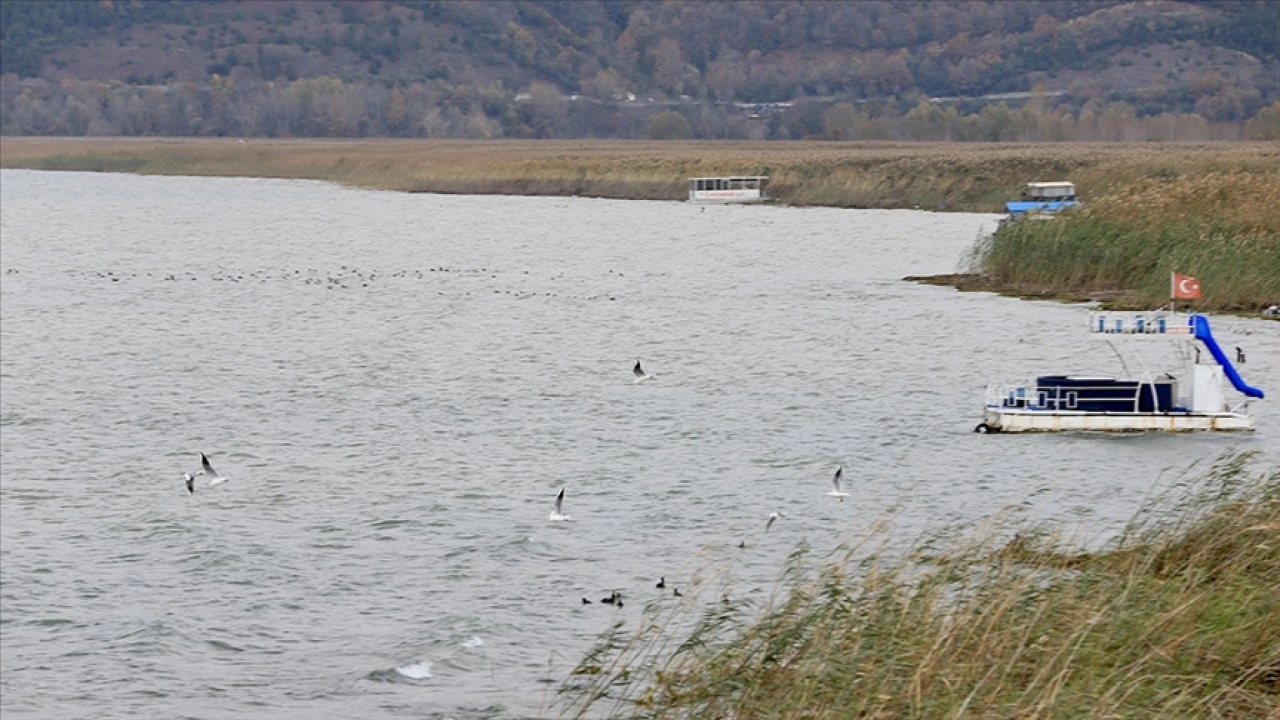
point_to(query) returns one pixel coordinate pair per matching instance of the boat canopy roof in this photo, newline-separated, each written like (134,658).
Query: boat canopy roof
(733,177)
(1017,207)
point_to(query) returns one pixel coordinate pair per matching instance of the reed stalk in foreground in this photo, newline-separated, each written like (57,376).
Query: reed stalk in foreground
(1178,618)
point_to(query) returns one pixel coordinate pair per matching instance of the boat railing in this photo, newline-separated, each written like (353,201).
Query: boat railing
(1032,396)
(1241,407)
(1155,322)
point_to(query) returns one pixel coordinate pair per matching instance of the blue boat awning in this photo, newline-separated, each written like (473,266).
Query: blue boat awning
(1022,206)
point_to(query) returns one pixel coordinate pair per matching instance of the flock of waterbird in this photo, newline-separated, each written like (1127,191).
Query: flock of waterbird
(475,280)
(557,511)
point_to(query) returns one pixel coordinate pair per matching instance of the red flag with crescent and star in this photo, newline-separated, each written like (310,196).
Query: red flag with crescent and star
(1184,287)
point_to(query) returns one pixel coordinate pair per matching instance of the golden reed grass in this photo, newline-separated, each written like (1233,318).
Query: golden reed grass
(1220,227)
(1177,619)
(959,176)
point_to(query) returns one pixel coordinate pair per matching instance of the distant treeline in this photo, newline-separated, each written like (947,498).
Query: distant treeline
(242,106)
(639,68)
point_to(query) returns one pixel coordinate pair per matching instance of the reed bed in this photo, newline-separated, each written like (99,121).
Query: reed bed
(1177,618)
(954,176)
(1222,228)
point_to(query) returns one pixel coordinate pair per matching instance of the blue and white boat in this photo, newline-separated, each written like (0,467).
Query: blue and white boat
(1042,201)
(1193,399)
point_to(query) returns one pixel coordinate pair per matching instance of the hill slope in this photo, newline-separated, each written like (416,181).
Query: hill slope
(508,68)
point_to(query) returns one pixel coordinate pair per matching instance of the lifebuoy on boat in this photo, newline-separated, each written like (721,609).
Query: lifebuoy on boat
(982,428)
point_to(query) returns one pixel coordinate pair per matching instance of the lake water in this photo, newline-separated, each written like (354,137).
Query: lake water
(398,385)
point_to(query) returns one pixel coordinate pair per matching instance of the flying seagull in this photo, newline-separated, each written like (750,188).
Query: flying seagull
(191,483)
(641,375)
(773,516)
(207,469)
(835,484)
(556,514)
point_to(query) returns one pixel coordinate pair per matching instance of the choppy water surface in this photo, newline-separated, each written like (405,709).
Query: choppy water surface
(399,384)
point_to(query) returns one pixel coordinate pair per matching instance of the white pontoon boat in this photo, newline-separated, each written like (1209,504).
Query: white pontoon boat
(1191,399)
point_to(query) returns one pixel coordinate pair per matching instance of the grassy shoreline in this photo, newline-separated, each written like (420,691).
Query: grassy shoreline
(958,176)
(1178,618)
(1224,226)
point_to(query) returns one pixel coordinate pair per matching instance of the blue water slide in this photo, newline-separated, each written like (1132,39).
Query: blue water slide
(1200,325)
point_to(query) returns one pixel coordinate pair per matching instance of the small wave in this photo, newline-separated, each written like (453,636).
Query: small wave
(474,642)
(221,645)
(417,671)
(387,524)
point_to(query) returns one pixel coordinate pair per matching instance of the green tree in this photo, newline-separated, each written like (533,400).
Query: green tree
(1265,125)
(669,125)
(837,123)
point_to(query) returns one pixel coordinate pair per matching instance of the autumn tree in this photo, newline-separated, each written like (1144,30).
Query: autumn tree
(1266,124)
(669,125)
(837,123)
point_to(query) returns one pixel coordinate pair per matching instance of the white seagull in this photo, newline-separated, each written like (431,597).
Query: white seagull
(556,515)
(773,516)
(641,375)
(191,483)
(835,484)
(207,469)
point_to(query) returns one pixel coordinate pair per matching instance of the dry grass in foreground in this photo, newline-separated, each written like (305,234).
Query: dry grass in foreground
(1180,618)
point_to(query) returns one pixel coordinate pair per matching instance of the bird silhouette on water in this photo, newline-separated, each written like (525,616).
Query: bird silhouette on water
(836,491)
(207,470)
(557,511)
(773,516)
(662,582)
(641,375)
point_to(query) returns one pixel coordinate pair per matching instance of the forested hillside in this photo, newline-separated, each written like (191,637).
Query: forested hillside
(1002,70)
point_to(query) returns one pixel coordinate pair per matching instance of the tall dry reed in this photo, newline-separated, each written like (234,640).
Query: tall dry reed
(1223,228)
(1178,618)
(953,176)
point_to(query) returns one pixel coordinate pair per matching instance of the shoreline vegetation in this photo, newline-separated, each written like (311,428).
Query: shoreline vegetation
(1203,209)
(1177,618)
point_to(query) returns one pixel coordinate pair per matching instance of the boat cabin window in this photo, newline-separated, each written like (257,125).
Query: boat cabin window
(1049,191)
(726,183)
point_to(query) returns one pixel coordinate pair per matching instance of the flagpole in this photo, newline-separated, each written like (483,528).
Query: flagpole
(1173,296)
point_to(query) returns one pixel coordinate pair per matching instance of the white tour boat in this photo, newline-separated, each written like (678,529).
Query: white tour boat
(744,189)
(1194,399)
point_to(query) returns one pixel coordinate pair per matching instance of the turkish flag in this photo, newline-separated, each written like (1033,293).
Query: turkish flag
(1184,287)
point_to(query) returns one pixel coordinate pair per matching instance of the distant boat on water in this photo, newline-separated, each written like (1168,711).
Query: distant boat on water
(732,189)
